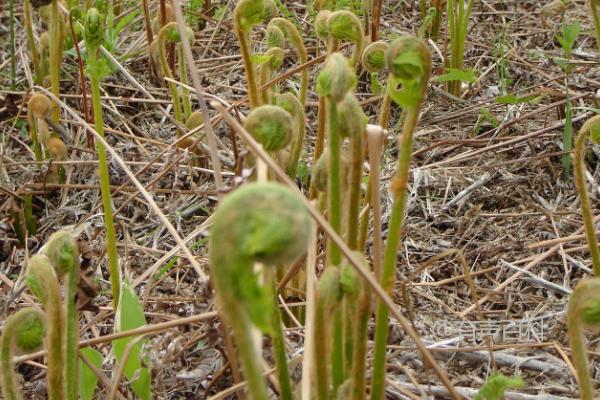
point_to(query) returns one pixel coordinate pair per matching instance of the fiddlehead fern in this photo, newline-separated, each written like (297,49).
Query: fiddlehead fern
(292,105)
(94,37)
(333,83)
(55,53)
(409,62)
(43,283)
(271,126)
(345,25)
(591,130)
(260,222)
(373,59)
(321,25)
(38,108)
(246,15)
(275,36)
(33,50)
(327,297)
(275,57)
(63,252)
(171,33)
(24,332)
(583,313)
(353,123)
(295,38)
(373,56)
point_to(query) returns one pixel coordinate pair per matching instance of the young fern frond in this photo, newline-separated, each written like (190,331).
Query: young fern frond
(33,49)
(295,38)
(55,53)
(24,332)
(38,108)
(353,123)
(246,15)
(327,298)
(409,62)
(260,222)
(275,60)
(292,105)
(43,283)
(583,313)
(333,83)
(171,33)
(94,37)
(345,25)
(63,252)
(373,56)
(271,126)
(591,130)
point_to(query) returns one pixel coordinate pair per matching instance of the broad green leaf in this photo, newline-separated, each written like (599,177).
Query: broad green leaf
(99,68)
(87,378)
(130,315)
(454,74)
(256,300)
(569,36)
(408,96)
(260,59)
(126,20)
(496,385)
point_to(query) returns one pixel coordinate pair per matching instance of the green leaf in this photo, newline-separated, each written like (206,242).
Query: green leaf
(260,59)
(408,96)
(569,37)
(563,64)
(256,300)
(496,385)
(87,378)
(130,315)
(123,22)
(98,69)
(454,74)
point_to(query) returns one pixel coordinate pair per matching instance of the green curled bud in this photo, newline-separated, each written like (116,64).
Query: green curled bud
(319,175)
(41,277)
(321,25)
(194,120)
(275,36)
(329,288)
(44,42)
(276,56)
(94,31)
(172,33)
(352,119)
(289,103)
(27,328)
(409,58)
(373,57)
(345,25)
(593,126)
(350,281)
(264,222)
(62,251)
(320,172)
(248,13)
(39,105)
(271,126)
(24,332)
(336,79)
